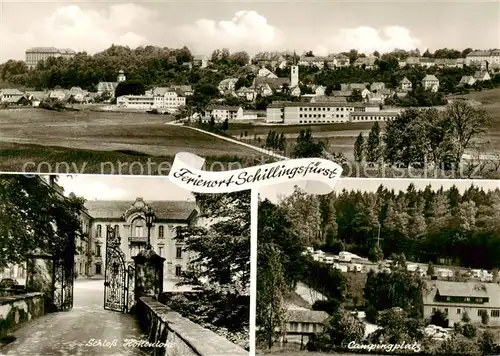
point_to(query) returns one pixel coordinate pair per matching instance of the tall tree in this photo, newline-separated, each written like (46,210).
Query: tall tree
(304,212)
(271,293)
(35,216)
(307,146)
(373,144)
(359,148)
(465,124)
(222,249)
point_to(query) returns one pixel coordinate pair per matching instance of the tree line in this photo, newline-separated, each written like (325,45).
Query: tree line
(425,138)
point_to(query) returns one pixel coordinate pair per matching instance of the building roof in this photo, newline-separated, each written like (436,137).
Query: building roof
(480,74)
(50,50)
(11,92)
(307,316)
(281,104)
(463,289)
(405,81)
(164,210)
(484,53)
(274,83)
(107,86)
(430,77)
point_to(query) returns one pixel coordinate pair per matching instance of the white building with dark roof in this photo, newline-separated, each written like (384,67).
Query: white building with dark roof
(430,82)
(326,112)
(127,219)
(223,112)
(456,298)
(37,54)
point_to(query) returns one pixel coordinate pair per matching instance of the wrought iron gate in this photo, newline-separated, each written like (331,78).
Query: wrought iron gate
(63,278)
(118,277)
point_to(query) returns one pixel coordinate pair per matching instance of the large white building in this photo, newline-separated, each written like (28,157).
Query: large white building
(37,54)
(293,113)
(167,99)
(492,58)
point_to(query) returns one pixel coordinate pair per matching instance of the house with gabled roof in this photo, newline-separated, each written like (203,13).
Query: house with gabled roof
(430,82)
(222,112)
(405,84)
(246,93)
(7,95)
(482,76)
(227,86)
(200,61)
(467,80)
(303,323)
(377,86)
(456,298)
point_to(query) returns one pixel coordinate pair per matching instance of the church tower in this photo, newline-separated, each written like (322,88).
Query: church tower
(294,73)
(121,76)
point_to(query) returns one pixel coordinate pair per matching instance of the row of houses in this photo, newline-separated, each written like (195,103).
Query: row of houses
(34,98)
(489,60)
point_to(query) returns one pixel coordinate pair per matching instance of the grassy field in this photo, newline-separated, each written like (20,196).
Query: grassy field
(37,135)
(51,159)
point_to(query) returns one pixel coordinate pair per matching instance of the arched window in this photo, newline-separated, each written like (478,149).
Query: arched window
(161,232)
(138,227)
(99,230)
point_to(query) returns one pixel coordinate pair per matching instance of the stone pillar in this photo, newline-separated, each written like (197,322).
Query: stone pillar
(40,274)
(148,274)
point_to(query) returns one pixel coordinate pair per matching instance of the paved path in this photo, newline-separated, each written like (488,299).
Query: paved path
(72,333)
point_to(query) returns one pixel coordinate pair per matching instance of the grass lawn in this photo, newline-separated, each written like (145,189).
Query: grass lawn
(51,159)
(37,135)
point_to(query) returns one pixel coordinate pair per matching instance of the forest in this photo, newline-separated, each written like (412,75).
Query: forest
(425,225)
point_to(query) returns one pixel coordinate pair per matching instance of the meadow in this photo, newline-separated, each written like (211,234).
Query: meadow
(90,138)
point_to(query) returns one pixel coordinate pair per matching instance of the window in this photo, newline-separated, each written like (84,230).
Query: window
(161,232)
(314,328)
(117,230)
(459,311)
(446,310)
(495,313)
(178,253)
(178,271)
(433,310)
(479,312)
(98,268)
(98,232)
(160,251)
(98,250)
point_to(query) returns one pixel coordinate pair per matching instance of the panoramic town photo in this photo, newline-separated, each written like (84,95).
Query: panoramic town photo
(379,266)
(97,87)
(122,265)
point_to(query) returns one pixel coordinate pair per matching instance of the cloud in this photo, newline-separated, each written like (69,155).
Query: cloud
(247,30)
(75,27)
(368,40)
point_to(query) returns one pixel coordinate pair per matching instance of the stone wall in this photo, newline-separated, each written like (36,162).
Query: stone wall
(15,310)
(180,336)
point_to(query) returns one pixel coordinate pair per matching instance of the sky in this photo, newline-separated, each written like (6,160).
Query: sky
(276,192)
(108,187)
(321,26)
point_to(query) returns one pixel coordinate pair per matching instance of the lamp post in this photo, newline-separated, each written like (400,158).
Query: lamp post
(149,216)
